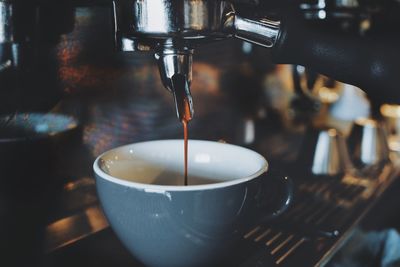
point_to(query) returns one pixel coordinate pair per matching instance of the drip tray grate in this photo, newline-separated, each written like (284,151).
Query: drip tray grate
(321,217)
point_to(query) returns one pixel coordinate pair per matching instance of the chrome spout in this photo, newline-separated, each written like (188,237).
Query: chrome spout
(175,66)
(182,97)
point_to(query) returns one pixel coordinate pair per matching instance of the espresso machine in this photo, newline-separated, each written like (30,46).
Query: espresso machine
(39,69)
(173,29)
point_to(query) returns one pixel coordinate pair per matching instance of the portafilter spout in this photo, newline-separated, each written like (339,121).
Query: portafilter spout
(175,66)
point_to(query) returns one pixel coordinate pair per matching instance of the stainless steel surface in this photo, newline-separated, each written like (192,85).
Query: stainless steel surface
(330,154)
(320,222)
(368,143)
(73,228)
(263,32)
(8,52)
(29,32)
(173,62)
(188,23)
(184,19)
(173,28)
(6,22)
(163,19)
(5,65)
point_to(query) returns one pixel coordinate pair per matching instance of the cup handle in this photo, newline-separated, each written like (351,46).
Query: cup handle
(279,202)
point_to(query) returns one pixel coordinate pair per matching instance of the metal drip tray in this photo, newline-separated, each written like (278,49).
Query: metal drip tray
(322,217)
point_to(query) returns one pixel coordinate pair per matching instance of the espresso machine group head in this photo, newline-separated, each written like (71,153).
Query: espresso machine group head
(173,28)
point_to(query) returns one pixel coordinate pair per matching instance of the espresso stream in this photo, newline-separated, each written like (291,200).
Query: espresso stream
(185,121)
(183,105)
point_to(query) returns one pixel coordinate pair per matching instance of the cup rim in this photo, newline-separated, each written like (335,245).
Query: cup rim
(162,188)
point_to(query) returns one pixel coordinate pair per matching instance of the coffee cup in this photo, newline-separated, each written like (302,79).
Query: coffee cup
(165,223)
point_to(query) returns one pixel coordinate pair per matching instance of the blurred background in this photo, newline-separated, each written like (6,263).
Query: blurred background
(67,96)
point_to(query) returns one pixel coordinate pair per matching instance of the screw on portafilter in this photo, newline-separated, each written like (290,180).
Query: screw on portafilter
(172,28)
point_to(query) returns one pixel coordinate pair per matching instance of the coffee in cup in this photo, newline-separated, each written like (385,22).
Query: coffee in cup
(164,223)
